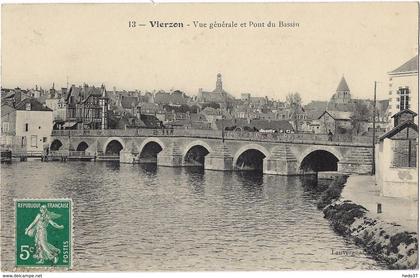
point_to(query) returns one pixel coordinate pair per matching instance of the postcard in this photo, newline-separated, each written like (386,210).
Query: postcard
(209,137)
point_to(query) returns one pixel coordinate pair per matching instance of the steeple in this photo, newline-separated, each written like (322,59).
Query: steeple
(341,96)
(219,83)
(342,86)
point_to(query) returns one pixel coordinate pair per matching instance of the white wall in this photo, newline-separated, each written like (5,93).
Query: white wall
(393,181)
(40,124)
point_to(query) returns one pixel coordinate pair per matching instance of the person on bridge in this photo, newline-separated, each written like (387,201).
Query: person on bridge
(330,135)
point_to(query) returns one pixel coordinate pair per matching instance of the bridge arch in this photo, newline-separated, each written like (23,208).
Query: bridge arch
(149,149)
(114,145)
(319,158)
(82,146)
(56,145)
(194,153)
(250,157)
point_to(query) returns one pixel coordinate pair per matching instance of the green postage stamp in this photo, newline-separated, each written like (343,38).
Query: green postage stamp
(44,233)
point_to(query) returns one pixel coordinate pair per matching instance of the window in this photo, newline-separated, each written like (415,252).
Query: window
(34,141)
(5,127)
(26,127)
(404,98)
(44,139)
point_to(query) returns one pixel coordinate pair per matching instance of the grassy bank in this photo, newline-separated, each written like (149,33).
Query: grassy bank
(333,191)
(386,242)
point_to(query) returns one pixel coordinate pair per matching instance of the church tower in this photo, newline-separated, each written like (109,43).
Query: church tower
(342,94)
(341,99)
(219,83)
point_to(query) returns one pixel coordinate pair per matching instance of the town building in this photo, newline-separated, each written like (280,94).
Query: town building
(218,95)
(314,109)
(212,114)
(335,121)
(56,101)
(10,95)
(245,97)
(403,87)
(172,98)
(153,109)
(86,108)
(26,125)
(396,158)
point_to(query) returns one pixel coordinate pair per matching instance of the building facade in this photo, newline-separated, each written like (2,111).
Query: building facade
(403,88)
(26,126)
(86,108)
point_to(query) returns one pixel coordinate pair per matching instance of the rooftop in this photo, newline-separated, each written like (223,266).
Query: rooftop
(399,128)
(338,115)
(411,66)
(35,105)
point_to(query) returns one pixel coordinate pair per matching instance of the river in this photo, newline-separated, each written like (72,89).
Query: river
(148,218)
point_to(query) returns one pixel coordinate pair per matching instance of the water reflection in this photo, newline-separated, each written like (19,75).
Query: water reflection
(148,168)
(195,180)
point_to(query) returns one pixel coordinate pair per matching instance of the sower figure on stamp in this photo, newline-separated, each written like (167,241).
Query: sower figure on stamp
(38,228)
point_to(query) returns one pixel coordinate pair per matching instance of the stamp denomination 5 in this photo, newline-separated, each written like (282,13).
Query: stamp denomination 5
(43,233)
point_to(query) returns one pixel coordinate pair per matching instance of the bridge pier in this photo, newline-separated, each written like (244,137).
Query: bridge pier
(220,159)
(281,162)
(170,156)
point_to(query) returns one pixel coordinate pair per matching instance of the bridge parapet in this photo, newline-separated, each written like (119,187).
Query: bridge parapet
(295,138)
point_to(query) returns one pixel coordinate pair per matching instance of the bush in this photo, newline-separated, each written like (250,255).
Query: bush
(343,215)
(397,239)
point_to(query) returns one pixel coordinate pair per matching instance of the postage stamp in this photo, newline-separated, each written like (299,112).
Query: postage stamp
(43,233)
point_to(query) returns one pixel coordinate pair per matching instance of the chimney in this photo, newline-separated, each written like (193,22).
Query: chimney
(139,112)
(103,90)
(18,96)
(85,90)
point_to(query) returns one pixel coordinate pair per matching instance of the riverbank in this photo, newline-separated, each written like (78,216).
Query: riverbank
(386,241)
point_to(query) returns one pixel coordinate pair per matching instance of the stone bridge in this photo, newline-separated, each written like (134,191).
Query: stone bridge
(281,154)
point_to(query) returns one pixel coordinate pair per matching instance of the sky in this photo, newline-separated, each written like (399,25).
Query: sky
(92,43)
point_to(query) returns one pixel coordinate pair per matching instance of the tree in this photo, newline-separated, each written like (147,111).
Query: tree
(294,102)
(360,114)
